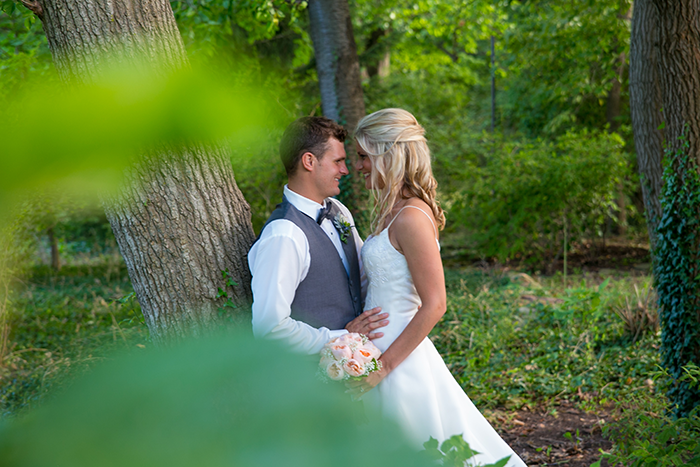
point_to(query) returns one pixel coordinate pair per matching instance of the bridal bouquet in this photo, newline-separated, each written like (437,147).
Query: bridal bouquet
(351,355)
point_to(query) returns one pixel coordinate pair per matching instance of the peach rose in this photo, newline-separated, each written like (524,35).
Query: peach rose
(341,351)
(354,368)
(362,355)
(373,349)
(335,371)
(351,337)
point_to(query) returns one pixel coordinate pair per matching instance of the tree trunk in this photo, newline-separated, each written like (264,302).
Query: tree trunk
(338,69)
(53,243)
(679,22)
(377,56)
(645,107)
(677,265)
(612,114)
(614,101)
(336,62)
(384,66)
(181,220)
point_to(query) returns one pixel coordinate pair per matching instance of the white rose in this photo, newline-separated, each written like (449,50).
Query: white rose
(335,371)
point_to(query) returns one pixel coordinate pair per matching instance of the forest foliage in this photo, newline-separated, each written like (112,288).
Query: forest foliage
(554,67)
(557,172)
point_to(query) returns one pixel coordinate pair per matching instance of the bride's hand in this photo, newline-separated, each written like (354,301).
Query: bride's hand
(357,388)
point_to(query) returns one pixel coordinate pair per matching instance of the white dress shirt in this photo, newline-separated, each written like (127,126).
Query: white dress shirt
(279,261)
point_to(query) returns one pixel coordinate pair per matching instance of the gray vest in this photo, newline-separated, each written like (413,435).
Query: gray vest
(327,297)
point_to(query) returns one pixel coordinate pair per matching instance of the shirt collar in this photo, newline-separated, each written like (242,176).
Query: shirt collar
(309,207)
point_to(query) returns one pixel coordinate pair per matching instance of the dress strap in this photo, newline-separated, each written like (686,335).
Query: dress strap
(414,207)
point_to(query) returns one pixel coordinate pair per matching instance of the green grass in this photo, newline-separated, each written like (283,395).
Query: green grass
(61,324)
(511,340)
(514,341)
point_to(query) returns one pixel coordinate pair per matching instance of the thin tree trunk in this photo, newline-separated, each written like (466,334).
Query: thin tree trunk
(645,107)
(384,66)
(614,101)
(612,113)
(53,243)
(180,220)
(377,56)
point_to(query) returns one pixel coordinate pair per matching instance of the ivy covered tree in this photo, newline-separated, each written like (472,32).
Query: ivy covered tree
(677,271)
(677,268)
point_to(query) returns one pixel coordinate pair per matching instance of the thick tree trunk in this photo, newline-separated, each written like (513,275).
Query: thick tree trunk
(336,62)
(645,107)
(83,33)
(678,263)
(181,220)
(679,27)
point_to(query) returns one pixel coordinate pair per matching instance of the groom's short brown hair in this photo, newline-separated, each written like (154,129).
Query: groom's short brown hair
(308,134)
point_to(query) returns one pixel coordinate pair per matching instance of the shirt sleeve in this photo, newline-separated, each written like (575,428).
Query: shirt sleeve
(279,261)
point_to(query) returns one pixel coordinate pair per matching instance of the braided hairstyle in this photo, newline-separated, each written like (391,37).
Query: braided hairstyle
(395,143)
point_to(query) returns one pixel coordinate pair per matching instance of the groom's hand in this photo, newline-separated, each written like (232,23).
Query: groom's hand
(368,321)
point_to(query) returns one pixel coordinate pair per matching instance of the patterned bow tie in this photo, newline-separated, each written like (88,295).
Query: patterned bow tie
(327,212)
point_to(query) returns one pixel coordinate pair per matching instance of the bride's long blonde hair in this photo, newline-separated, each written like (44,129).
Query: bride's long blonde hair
(395,143)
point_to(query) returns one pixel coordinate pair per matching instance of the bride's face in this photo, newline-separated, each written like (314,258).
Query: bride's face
(364,166)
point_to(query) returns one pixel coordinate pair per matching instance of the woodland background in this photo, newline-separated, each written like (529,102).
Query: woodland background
(553,321)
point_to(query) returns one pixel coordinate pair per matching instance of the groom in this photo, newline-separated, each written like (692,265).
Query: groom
(307,282)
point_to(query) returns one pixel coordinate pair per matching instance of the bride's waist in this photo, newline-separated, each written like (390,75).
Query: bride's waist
(397,323)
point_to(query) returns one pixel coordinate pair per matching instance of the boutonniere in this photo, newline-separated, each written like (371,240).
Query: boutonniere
(343,226)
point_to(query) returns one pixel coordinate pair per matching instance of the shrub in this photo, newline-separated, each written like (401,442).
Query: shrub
(641,315)
(528,198)
(646,435)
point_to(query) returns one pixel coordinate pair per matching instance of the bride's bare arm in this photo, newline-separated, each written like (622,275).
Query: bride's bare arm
(414,236)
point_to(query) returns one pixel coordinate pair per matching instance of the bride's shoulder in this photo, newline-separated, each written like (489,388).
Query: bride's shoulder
(415,214)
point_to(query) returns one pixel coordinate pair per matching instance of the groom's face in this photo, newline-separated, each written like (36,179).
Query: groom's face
(329,169)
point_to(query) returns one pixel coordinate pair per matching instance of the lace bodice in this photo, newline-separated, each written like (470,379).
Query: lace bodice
(390,286)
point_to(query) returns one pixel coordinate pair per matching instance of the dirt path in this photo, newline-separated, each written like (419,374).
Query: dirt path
(540,438)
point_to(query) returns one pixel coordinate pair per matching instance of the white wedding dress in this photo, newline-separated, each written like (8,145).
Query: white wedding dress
(420,394)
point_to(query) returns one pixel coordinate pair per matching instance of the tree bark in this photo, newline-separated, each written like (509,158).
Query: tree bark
(679,40)
(181,219)
(377,56)
(676,267)
(645,107)
(612,114)
(85,36)
(336,62)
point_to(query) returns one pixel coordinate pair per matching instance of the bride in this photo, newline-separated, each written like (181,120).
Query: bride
(402,262)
